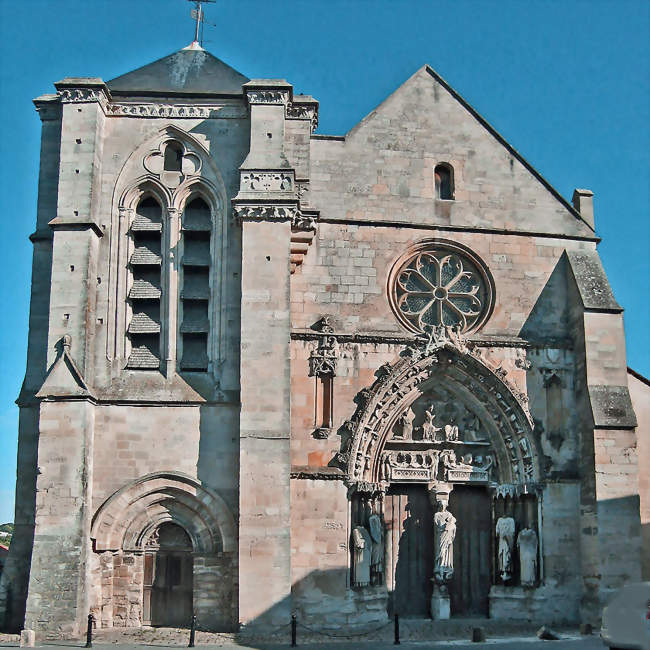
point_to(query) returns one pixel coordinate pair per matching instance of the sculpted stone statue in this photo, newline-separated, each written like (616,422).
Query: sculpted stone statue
(505,540)
(377,552)
(451,432)
(405,424)
(527,546)
(429,430)
(362,555)
(445,525)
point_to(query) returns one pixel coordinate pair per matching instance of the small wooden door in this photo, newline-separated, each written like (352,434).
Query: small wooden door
(409,550)
(470,585)
(168,579)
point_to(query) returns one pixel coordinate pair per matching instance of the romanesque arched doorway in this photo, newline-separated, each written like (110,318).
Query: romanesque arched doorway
(168,577)
(165,547)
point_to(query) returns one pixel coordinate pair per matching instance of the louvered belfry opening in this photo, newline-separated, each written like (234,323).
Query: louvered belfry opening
(145,292)
(195,291)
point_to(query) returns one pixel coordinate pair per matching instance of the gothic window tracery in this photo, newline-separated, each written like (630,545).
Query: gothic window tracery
(441,284)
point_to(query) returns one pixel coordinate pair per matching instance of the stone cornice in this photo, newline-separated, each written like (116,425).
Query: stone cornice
(404,339)
(307,472)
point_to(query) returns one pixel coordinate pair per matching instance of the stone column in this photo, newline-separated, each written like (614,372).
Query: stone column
(265,205)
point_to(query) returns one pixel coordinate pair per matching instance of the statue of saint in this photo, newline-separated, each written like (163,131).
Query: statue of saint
(505,530)
(445,525)
(405,424)
(451,432)
(429,430)
(527,546)
(362,551)
(377,552)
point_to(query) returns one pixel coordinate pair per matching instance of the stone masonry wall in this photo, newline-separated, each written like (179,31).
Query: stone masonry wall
(640,393)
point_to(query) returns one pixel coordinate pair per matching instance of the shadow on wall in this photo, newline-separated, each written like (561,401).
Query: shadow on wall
(619,541)
(320,600)
(645,551)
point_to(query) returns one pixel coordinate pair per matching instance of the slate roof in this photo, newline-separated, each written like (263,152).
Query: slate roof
(191,70)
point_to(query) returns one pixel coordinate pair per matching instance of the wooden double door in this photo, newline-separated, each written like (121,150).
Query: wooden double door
(410,550)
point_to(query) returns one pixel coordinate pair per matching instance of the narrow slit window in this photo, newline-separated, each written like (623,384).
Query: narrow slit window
(324,401)
(444,181)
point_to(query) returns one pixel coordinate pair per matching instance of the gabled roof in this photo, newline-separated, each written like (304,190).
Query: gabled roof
(191,70)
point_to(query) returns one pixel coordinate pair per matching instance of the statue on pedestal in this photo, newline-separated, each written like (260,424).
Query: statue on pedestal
(527,546)
(445,525)
(362,556)
(377,552)
(505,531)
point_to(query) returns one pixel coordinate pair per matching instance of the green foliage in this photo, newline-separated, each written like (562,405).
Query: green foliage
(6,528)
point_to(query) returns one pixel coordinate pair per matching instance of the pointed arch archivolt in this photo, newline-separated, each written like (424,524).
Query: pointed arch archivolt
(467,376)
(128,517)
(140,178)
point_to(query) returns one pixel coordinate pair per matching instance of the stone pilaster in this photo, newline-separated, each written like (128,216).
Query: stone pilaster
(265,206)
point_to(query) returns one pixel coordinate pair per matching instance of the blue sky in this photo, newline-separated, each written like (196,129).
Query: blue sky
(566,82)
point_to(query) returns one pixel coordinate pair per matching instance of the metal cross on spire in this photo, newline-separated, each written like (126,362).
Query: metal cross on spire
(197,14)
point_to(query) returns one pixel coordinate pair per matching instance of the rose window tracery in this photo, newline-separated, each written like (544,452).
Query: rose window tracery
(441,284)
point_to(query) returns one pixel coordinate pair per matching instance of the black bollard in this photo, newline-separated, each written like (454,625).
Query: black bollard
(293,631)
(396,630)
(192,632)
(89,632)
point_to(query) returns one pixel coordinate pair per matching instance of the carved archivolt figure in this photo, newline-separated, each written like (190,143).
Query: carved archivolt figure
(377,551)
(505,538)
(429,430)
(445,524)
(527,546)
(405,424)
(362,556)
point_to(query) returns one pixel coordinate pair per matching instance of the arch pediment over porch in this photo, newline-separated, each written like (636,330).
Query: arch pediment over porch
(441,413)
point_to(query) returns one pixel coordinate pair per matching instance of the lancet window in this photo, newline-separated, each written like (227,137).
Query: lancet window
(145,293)
(444,181)
(195,285)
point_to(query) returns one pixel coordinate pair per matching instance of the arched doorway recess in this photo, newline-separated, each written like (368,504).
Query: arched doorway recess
(440,418)
(160,537)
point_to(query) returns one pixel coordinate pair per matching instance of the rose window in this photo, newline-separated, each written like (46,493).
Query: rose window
(441,285)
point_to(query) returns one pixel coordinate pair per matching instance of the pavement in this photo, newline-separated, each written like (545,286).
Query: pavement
(171,638)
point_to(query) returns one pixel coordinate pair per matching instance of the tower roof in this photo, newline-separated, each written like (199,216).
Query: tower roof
(189,71)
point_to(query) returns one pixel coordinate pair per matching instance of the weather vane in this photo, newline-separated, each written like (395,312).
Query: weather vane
(197,14)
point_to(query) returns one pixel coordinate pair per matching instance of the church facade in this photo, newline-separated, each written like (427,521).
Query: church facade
(273,372)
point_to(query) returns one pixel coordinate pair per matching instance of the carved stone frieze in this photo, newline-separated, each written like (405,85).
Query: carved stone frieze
(303,112)
(267,97)
(82,95)
(178,111)
(266,181)
(265,212)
